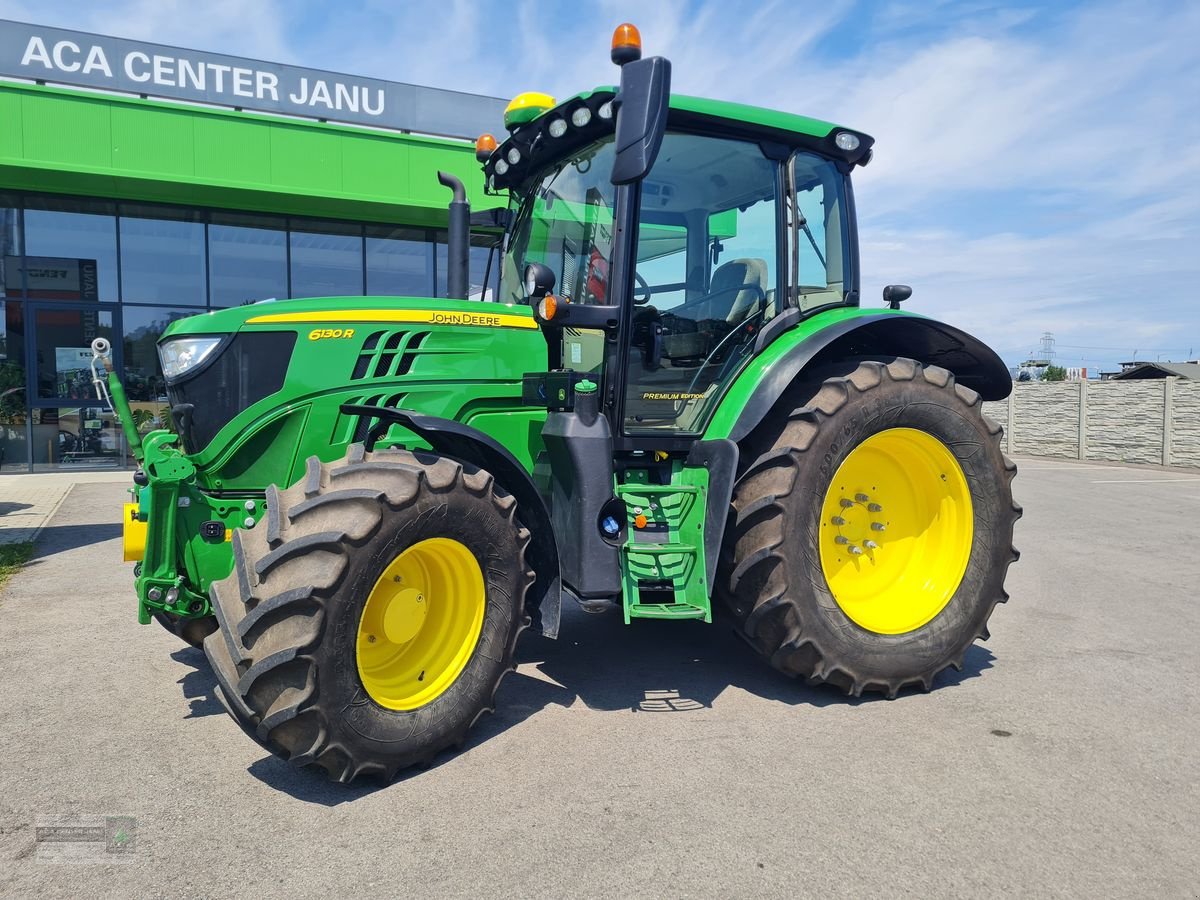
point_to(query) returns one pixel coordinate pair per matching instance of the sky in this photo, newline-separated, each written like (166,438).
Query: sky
(1036,169)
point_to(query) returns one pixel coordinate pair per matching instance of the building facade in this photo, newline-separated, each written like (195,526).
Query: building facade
(120,213)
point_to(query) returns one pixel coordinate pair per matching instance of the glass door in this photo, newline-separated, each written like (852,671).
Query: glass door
(70,427)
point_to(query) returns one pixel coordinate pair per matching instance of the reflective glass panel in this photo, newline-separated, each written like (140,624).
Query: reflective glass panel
(247,259)
(71,248)
(63,338)
(162,256)
(327,259)
(10,246)
(399,262)
(143,326)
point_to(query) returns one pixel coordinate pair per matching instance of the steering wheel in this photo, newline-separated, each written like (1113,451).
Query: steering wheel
(641,283)
(739,329)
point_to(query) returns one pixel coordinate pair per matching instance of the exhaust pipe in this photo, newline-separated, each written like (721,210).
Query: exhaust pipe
(458,240)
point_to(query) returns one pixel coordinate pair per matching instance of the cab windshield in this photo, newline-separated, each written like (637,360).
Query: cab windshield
(565,222)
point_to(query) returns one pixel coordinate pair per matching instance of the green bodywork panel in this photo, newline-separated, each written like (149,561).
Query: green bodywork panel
(461,360)
(758,368)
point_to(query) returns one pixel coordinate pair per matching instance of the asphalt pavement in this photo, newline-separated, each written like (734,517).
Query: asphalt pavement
(657,760)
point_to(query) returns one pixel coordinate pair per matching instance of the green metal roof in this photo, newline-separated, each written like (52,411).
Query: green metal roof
(753,115)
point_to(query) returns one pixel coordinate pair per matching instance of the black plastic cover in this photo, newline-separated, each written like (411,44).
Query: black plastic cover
(250,368)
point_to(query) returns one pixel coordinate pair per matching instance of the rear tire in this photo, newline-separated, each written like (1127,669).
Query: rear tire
(774,578)
(289,653)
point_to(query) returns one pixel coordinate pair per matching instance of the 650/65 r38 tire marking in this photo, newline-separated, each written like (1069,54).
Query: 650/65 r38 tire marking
(872,528)
(316,580)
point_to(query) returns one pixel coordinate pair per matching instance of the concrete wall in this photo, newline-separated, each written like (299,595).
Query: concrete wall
(1147,421)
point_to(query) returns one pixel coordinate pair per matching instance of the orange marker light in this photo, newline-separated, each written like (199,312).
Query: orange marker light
(626,44)
(485,146)
(639,521)
(547,307)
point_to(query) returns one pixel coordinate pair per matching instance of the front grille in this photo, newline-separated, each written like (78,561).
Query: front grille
(252,366)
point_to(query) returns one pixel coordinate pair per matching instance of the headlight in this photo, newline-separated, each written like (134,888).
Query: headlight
(181,355)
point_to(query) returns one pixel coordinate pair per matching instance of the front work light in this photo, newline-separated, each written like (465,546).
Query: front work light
(181,355)
(557,127)
(846,141)
(581,116)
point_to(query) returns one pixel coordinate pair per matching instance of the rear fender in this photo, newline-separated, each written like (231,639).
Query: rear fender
(853,333)
(470,445)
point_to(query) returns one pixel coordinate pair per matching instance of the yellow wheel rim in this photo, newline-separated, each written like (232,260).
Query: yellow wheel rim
(896,531)
(420,624)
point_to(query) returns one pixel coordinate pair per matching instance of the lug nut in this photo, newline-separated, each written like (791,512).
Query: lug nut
(838,520)
(861,498)
(841,540)
(857,551)
(249,506)
(870,545)
(248,522)
(874,507)
(846,504)
(878,526)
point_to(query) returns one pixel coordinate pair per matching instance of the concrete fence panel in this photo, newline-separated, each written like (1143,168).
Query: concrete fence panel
(1148,421)
(1185,424)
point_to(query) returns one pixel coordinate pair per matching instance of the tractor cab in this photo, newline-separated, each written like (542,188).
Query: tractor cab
(662,279)
(663,242)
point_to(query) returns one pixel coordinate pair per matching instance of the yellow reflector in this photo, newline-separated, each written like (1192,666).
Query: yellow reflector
(526,107)
(133,536)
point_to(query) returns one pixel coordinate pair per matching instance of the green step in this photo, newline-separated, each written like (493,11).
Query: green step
(659,549)
(665,611)
(676,568)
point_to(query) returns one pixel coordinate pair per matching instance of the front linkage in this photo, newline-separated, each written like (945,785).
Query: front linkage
(169,512)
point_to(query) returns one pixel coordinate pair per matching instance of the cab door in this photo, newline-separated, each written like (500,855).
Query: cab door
(707,279)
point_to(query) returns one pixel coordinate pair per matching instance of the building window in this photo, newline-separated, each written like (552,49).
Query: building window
(247,259)
(141,327)
(14,447)
(62,339)
(327,259)
(399,262)
(71,248)
(477,267)
(162,256)
(10,246)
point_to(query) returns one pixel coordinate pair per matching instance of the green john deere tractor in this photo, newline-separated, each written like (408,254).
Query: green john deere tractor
(674,398)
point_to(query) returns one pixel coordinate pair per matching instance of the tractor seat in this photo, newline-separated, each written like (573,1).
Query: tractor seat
(737,290)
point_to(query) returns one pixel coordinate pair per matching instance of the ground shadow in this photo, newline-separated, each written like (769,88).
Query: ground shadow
(60,538)
(652,667)
(7,506)
(198,684)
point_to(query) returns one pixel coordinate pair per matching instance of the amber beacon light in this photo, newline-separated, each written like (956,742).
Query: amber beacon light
(626,44)
(485,146)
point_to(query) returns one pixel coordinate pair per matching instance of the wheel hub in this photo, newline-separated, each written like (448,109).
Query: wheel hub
(896,530)
(420,624)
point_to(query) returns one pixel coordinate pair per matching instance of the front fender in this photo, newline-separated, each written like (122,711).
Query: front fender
(850,332)
(470,445)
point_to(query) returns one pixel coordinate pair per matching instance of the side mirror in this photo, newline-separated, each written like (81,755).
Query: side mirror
(641,103)
(895,294)
(539,281)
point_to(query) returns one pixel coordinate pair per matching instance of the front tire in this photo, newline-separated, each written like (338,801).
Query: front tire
(872,531)
(372,613)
